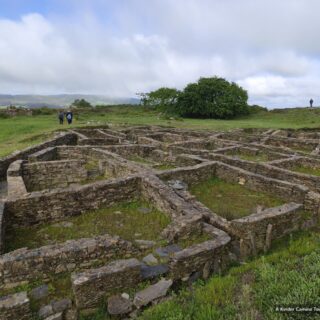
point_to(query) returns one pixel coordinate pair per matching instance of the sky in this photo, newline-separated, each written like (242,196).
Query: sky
(120,47)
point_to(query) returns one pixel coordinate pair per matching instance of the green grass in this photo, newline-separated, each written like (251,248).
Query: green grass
(17,133)
(306,170)
(260,157)
(141,160)
(124,220)
(194,239)
(290,274)
(231,200)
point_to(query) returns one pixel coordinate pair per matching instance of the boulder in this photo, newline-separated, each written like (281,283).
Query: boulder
(153,292)
(150,272)
(150,260)
(118,305)
(39,292)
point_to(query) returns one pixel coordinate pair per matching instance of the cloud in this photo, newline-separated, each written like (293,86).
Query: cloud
(120,48)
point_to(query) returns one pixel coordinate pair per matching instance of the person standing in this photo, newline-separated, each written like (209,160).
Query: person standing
(69,117)
(61,117)
(311,102)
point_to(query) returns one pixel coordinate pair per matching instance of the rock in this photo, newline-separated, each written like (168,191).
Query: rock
(63,224)
(71,314)
(150,272)
(61,305)
(150,260)
(158,290)
(168,250)
(145,244)
(117,305)
(206,271)
(45,311)
(194,277)
(177,185)
(125,296)
(144,210)
(56,316)
(67,224)
(39,292)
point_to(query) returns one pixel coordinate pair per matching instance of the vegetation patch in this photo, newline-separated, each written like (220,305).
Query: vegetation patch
(194,239)
(129,220)
(287,275)
(231,200)
(306,170)
(136,158)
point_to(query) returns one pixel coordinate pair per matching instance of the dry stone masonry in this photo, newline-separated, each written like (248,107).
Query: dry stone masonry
(92,168)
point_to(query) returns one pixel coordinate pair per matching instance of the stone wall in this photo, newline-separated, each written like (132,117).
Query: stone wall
(15,306)
(257,231)
(208,257)
(2,226)
(53,174)
(272,171)
(90,287)
(47,154)
(256,182)
(15,183)
(304,144)
(63,139)
(190,174)
(33,208)
(29,264)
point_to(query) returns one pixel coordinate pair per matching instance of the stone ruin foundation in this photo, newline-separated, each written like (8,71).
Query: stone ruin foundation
(83,170)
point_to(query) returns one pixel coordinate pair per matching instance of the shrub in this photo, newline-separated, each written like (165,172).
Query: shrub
(212,98)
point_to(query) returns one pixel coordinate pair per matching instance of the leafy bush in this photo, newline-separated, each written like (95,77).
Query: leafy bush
(212,98)
(163,99)
(81,103)
(4,115)
(43,111)
(256,109)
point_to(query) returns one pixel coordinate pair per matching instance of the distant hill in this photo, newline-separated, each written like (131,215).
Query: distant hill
(59,101)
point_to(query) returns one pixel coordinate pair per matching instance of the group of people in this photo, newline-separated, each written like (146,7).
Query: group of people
(68,114)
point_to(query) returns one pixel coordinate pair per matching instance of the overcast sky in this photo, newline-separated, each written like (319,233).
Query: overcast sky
(120,47)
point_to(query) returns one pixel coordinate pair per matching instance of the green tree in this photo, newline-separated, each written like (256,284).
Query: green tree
(81,103)
(212,98)
(162,98)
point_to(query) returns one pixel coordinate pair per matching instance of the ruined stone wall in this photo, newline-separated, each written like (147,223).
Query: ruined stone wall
(2,226)
(64,139)
(15,184)
(208,257)
(272,171)
(256,182)
(131,149)
(41,263)
(308,145)
(90,287)
(16,306)
(190,175)
(33,208)
(257,231)
(47,154)
(53,174)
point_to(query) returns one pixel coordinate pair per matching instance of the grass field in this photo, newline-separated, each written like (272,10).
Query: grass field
(216,194)
(124,220)
(20,132)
